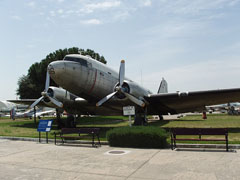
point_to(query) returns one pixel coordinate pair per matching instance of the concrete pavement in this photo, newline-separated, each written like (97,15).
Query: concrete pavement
(31,160)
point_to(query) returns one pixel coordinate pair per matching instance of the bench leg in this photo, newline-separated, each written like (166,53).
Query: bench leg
(93,140)
(55,141)
(226,143)
(174,142)
(171,142)
(98,140)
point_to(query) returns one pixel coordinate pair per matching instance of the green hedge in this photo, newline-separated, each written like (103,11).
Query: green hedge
(138,137)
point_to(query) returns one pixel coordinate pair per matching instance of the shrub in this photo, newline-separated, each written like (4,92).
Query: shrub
(138,137)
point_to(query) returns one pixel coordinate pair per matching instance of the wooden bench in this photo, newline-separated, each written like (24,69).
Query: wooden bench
(199,132)
(68,133)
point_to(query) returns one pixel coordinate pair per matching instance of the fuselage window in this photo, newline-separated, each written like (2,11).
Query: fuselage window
(83,62)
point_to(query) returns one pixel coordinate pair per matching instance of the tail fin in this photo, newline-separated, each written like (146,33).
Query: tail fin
(163,88)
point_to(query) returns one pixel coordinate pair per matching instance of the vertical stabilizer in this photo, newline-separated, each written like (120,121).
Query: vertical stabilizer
(163,88)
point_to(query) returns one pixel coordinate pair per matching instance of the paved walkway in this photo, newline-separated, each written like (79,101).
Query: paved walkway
(31,160)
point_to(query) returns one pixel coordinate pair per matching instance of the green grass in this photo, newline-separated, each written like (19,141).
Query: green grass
(196,121)
(27,127)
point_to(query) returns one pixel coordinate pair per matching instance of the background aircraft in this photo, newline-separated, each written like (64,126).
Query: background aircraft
(30,113)
(90,87)
(6,106)
(231,108)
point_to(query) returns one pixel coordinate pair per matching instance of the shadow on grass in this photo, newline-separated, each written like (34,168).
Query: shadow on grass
(99,120)
(190,120)
(159,122)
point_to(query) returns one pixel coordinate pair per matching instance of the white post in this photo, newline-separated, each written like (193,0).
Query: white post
(130,120)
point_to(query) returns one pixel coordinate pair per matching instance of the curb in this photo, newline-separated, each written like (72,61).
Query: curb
(43,140)
(215,146)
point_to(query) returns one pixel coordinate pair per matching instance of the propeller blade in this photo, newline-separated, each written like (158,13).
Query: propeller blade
(47,81)
(135,100)
(36,102)
(105,99)
(54,101)
(122,73)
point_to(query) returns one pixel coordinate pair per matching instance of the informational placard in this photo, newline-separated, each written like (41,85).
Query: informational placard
(44,125)
(128,110)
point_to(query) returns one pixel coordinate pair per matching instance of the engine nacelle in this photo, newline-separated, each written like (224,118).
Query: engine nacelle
(133,89)
(59,94)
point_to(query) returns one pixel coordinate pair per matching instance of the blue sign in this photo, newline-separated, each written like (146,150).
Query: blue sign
(44,125)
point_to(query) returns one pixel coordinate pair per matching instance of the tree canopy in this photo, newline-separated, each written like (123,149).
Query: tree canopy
(31,85)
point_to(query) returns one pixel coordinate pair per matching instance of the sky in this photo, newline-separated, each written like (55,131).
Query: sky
(194,45)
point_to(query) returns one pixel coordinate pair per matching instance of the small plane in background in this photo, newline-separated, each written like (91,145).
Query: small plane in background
(90,87)
(30,113)
(228,107)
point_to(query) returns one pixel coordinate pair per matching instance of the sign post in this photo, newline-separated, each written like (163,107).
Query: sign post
(44,126)
(129,111)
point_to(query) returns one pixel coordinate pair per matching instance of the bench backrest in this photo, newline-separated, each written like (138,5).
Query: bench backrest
(199,131)
(89,130)
(80,130)
(214,131)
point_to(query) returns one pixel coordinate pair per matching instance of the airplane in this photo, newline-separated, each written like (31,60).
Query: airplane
(228,107)
(30,113)
(6,106)
(89,87)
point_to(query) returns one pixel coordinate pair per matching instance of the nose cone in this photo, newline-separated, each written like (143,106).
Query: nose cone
(55,69)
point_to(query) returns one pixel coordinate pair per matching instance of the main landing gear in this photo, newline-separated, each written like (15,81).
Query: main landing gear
(70,122)
(140,116)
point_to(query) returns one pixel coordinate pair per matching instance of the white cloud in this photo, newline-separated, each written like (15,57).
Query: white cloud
(101,6)
(146,3)
(52,13)
(194,7)
(31,4)
(60,11)
(177,29)
(234,2)
(91,22)
(17,18)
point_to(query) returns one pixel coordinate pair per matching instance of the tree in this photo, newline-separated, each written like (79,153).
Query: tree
(31,85)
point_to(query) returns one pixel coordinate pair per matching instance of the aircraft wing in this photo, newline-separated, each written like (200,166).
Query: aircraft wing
(190,101)
(26,102)
(42,113)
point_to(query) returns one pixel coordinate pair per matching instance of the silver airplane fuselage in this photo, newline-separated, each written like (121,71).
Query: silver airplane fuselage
(89,79)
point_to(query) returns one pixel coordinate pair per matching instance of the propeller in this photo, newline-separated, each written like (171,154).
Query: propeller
(45,94)
(120,89)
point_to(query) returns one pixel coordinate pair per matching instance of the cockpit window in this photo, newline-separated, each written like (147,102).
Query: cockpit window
(83,62)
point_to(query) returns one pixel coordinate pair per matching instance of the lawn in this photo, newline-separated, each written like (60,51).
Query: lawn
(212,121)
(27,128)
